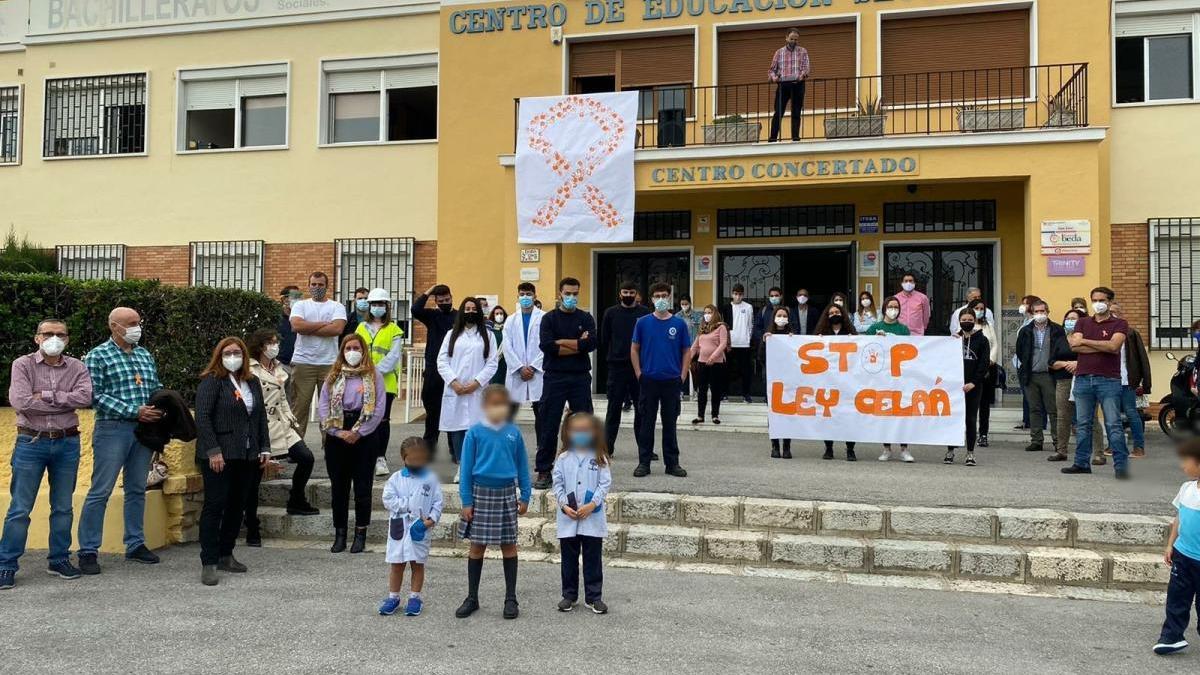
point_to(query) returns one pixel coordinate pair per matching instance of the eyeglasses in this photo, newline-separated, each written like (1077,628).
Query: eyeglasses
(50,335)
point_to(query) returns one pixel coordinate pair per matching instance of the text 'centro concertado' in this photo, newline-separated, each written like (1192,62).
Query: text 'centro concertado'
(808,168)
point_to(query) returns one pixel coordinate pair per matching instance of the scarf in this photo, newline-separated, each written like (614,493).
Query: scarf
(337,392)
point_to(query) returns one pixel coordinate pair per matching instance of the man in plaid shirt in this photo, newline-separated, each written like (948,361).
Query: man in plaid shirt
(123,378)
(789,69)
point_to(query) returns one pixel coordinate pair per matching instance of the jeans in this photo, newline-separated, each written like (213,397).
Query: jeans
(303,457)
(1039,392)
(786,92)
(558,391)
(31,458)
(115,451)
(593,569)
(225,497)
(1090,389)
(1181,594)
(432,389)
(656,393)
(621,384)
(1137,427)
(710,377)
(456,439)
(307,380)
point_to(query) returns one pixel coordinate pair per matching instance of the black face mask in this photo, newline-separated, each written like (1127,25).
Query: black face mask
(835,319)
(470,318)
(628,301)
(446,307)
(966,326)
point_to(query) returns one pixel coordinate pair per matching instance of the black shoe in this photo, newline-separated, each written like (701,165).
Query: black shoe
(774,453)
(208,575)
(467,608)
(850,456)
(747,399)
(982,441)
(543,481)
(143,555)
(654,457)
(676,471)
(828,454)
(597,606)
(1020,427)
(698,420)
(253,537)
(339,540)
(302,509)
(566,605)
(1034,447)
(230,564)
(1075,468)
(787,453)
(88,564)
(63,569)
(360,540)
(970,459)
(1057,457)
(511,610)
(641,471)
(1123,474)
(949,458)
(716,420)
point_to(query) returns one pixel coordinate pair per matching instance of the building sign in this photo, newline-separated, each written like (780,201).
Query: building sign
(531,255)
(1066,237)
(531,274)
(803,169)
(868,264)
(704,269)
(868,224)
(1065,265)
(12,20)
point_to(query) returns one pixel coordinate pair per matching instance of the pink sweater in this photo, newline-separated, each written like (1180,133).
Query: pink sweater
(710,347)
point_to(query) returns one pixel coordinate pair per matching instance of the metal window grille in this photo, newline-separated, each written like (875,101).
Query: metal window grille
(94,261)
(10,116)
(1174,280)
(786,221)
(95,116)
(655,225)
(227,264)
(977,215)
(386,263)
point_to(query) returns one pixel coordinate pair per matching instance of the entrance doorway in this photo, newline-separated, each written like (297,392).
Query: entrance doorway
(944,273)
(822,271)
(644,269)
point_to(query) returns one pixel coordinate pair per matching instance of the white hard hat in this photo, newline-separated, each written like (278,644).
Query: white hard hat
(378,295)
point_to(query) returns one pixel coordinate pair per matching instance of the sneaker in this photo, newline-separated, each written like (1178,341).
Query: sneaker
(1164,648)
(597,606)
(389,606)
(906,456)
(566,605)
(982,441)
(774,453)
(1123,474)
(1034,447)
(381,467)
(1075,468)
(676,471)
(1108,452)
(787,453)
(88,563)
(850,456)
(641,471)
(886,455)
(142,555)
(413,608)
(8,579)
(970,459)
(467,608)
(543,481)
(828,454)
(303,509)
(716,420)
(1099,460)
(511,608)
(698,420)
(457,475)
(63,569)
(1057,457)
(949,458)
(1138,453)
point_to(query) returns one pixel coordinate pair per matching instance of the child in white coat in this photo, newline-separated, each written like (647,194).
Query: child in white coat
(581,481)
(413,498)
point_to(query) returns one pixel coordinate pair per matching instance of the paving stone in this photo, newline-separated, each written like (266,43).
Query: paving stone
(312,527)
(650,506)
(794,575)
(778,514)
(1033,525)
(614,542)
(920,556)
(1140,568)
(706,568)
(662,541)
(941,523)
(735,545)
(1121,529)
(998,587)
(639,564)
(1065,565)
(841,517)
(820,552)
(274,522)
(1000,562)
(896,581)
(710,510)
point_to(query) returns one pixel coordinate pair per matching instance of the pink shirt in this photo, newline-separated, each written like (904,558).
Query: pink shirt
(45,396)
(914,311)
(710,347)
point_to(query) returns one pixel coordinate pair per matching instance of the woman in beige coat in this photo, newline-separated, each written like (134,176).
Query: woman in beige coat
(263,346)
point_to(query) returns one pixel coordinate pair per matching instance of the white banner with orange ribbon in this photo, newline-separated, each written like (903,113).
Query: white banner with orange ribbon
(883,389)
(575,168)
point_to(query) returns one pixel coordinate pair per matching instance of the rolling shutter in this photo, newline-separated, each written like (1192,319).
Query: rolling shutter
(404,78)
(263,86)
(590,59)
(643,62)
(352,81)
(744,56)
(210,95)
(1155,24)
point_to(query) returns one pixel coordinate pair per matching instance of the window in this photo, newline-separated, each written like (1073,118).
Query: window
(661,68)
(1174,281)
(10,124)
(657,225)
(91,116)
(228,264)
(385,263)
(381,99)
(96,261)
(786,221)
(1154,68)
(948,216)
(743,57)
(232,108)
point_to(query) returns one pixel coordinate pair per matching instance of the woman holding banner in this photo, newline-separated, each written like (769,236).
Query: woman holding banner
(975,353)
(987,397)
(834,322)
(890,325)
(780,325)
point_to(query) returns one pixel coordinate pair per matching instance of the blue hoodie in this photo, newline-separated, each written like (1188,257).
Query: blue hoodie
(493,457)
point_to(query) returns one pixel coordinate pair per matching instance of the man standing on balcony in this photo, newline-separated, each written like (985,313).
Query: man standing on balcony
(789,69)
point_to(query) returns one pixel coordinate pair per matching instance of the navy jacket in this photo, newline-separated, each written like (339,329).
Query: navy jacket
(560,325)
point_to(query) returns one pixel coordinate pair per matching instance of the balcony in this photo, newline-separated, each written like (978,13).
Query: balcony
(944,102)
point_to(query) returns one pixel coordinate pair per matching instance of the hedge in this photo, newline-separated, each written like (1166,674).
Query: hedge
(181,325)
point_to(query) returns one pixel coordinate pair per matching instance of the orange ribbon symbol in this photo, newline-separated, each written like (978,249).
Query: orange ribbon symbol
(577,173)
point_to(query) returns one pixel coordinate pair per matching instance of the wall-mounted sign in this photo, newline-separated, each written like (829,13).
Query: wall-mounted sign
(50,17)
(704,269)
(1066,265)
(868,224)
(868,263)
(702,225)
(531,274)
(797,170)
(531,255)
(1066,237)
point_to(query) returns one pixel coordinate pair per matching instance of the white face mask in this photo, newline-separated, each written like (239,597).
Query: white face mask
(801,299)
(271,352)
(892,312)
(865,302)
(353,358)
(133,334)
(1099,307)
(908,286)
(232,362)
(684,307)
(1040,318)
(708,316)
(498,319)
(839,302)
(781,321)
(53,346)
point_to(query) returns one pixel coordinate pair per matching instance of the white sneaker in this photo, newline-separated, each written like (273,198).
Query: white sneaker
(906,456)
(887,454)
(381,467)
(456,475)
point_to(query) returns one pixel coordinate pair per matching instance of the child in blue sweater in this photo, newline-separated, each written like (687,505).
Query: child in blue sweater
(493,466)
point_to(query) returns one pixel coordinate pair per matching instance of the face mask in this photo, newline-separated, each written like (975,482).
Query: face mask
(445,307)
(708,316)
(416,471)
(317,293)
(498,319)
(470,318)
(1099,307)
(570,301)
(525,301)
(361,304)
(865,302)
(628,301)
(582,440)
(1069,325)
(774,299)
(133,335)
(967,326)
(496,413)
(839,302)
(53,346)
(685,307)
(1022,309)
(908,286)
(979,313)
(271,352)
(1040,318)
(892,312)
(801,299)
(835,319)
(378,312)
(661,304)
(232,363)
(353,358)
(781,321)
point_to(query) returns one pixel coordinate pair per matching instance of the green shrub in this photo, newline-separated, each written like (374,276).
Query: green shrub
(21,255)
(181,325)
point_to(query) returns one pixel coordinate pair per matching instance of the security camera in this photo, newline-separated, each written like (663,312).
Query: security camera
(912,188)
(556,36)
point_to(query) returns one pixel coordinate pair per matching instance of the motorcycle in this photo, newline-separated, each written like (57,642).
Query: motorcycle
(1179,416)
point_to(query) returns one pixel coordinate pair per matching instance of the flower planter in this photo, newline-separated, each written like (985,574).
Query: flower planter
(974,119)
(855,126)
(734,132)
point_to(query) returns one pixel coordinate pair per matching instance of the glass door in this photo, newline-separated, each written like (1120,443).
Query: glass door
(944,273)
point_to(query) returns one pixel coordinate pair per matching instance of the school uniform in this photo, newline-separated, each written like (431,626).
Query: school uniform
(410,498)
(468,363)
(579,478)
(494,476)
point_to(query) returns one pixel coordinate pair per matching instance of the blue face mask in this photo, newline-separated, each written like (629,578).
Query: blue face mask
(570,301)
(774,299)
(1069,325)
(661,304)
(525,301)
(378,312)
(582,440)
(361,304)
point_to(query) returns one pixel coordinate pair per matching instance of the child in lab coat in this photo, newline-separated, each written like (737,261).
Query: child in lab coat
(581,481)
(413,498)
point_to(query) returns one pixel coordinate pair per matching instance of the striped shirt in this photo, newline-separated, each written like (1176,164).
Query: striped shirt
(789,65)
(121,381)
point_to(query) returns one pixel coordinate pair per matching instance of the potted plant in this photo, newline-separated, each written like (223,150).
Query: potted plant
(867,120)
(731,129)
(1060,112)
(981,118)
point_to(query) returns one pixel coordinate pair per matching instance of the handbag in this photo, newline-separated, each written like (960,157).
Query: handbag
(158,471)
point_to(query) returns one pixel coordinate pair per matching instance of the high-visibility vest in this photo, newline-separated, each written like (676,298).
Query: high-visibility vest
(381,344)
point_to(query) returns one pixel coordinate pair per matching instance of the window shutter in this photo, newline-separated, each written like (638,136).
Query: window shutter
(668,60)
(744,56)
(263,86)
(358,80)
(210,94)
(404,78)
(1155,24)
(590,59)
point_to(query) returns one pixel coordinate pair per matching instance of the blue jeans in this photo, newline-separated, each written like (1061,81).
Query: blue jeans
(1090,390)
(31,458)
(115,450)
(1137,427)
(456,439)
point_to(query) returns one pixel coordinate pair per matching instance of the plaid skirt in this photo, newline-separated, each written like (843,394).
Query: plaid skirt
(495,517)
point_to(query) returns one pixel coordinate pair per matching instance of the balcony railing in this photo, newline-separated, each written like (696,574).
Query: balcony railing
(942,102)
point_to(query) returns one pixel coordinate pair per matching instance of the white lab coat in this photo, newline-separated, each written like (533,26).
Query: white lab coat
(468,363)
(409,498)
(954,318)
(578,472)
(518,353)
